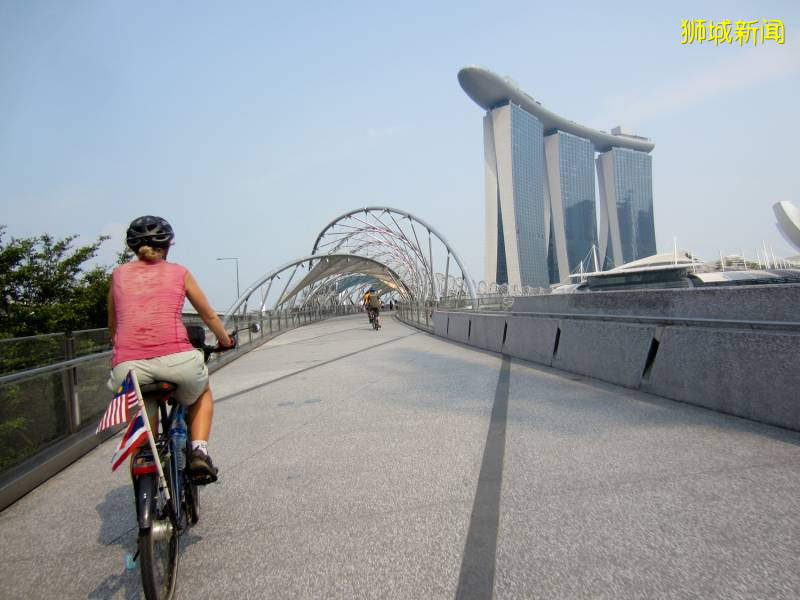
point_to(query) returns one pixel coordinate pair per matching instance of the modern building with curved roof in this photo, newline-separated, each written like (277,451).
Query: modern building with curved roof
(541,212)
(788,221)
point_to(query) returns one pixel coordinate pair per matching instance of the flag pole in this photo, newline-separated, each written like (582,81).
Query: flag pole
(162,482)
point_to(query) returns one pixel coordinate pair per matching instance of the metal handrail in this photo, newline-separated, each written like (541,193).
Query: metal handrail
(30,337)
(52,368)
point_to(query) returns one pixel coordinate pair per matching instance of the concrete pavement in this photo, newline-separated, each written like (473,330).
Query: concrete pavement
(392,464)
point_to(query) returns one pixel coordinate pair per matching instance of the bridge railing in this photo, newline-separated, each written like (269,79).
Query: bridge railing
(420,314)
(53,392)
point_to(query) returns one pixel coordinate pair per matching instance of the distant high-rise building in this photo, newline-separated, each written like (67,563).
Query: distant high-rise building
(627,228)
(573,221)
(541,219)
(516,243)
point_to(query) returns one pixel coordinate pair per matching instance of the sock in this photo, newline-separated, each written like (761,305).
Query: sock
(201,445)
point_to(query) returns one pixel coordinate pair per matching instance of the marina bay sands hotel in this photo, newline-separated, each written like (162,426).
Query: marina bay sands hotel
(541,220)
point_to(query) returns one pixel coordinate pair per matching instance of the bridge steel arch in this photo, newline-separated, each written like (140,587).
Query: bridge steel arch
(390,235)
(324,278)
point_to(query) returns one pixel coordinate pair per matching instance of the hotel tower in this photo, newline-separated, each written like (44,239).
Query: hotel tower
(541,215)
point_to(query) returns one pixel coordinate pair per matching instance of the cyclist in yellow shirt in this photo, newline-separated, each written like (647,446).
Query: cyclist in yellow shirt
(372,303)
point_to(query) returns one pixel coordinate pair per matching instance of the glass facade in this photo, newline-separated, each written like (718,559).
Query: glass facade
(527,167)
(633,183)
(502,269)
(552,260)
(576,166)
(520,154)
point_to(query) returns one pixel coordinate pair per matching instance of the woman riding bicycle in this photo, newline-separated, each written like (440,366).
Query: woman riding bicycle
(145,303)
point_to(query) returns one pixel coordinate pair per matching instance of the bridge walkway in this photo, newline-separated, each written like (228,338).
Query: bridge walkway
(393,464)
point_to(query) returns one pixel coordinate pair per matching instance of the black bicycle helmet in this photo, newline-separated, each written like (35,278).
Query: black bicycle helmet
(149,231)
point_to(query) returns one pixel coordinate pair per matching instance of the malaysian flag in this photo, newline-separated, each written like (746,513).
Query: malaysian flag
(135,434)
(124,400)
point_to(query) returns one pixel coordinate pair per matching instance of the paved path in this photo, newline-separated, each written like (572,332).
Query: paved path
(358,464)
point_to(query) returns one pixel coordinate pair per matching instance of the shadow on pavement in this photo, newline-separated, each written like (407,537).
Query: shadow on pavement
(580,405)
(118,528)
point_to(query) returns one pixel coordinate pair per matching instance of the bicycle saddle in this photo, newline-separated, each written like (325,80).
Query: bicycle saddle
(158,387)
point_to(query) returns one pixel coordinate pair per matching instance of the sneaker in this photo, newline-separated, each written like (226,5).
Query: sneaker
(201,469)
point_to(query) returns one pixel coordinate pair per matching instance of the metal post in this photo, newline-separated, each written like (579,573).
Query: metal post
(434,291)
(69,379)
(281,298)
(236,258)
(446,275)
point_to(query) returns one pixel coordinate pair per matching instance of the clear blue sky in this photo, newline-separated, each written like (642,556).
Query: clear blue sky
(250,125)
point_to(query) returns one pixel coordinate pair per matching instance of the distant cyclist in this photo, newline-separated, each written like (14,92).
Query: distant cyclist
(372,302)
(144,318)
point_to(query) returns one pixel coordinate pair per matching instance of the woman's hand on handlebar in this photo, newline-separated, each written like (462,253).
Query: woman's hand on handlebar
(221,347)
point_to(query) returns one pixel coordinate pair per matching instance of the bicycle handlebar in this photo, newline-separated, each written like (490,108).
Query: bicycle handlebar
(217,349)
(197,339)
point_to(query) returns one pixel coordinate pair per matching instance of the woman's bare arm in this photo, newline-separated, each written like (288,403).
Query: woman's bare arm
(203,308)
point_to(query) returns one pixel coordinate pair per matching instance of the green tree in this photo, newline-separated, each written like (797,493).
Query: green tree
(125,255)
(45,287)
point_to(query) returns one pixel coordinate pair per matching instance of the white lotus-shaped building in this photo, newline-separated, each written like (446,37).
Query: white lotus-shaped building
(788,222)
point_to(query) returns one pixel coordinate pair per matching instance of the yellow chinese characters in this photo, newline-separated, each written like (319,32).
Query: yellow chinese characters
(721,32)
(743,32)
(772,30)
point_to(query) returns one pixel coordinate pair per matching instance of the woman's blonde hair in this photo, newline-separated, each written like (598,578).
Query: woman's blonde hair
(149,254)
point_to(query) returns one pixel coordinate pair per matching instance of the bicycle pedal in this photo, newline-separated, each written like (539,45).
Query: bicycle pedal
(204,479)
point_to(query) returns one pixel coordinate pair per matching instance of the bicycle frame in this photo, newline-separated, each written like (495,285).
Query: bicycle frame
(145,516)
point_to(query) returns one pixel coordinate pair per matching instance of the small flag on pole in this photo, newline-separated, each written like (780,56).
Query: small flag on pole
(134,435)
(124,400)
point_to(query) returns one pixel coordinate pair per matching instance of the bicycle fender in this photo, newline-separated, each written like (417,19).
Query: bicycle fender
(146,499)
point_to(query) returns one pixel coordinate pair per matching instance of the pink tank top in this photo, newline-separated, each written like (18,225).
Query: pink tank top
(148,301)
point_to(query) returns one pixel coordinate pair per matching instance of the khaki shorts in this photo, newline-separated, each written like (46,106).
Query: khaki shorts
(187,370)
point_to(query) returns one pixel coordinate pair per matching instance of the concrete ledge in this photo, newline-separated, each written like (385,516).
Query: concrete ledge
(755,375)
(457,327)
(613,352)
(488,333)
(531,338)
(757,302)
(440,320)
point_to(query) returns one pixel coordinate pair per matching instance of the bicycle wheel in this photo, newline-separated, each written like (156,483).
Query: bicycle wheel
(192,501)
(191,492)
(158,552)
